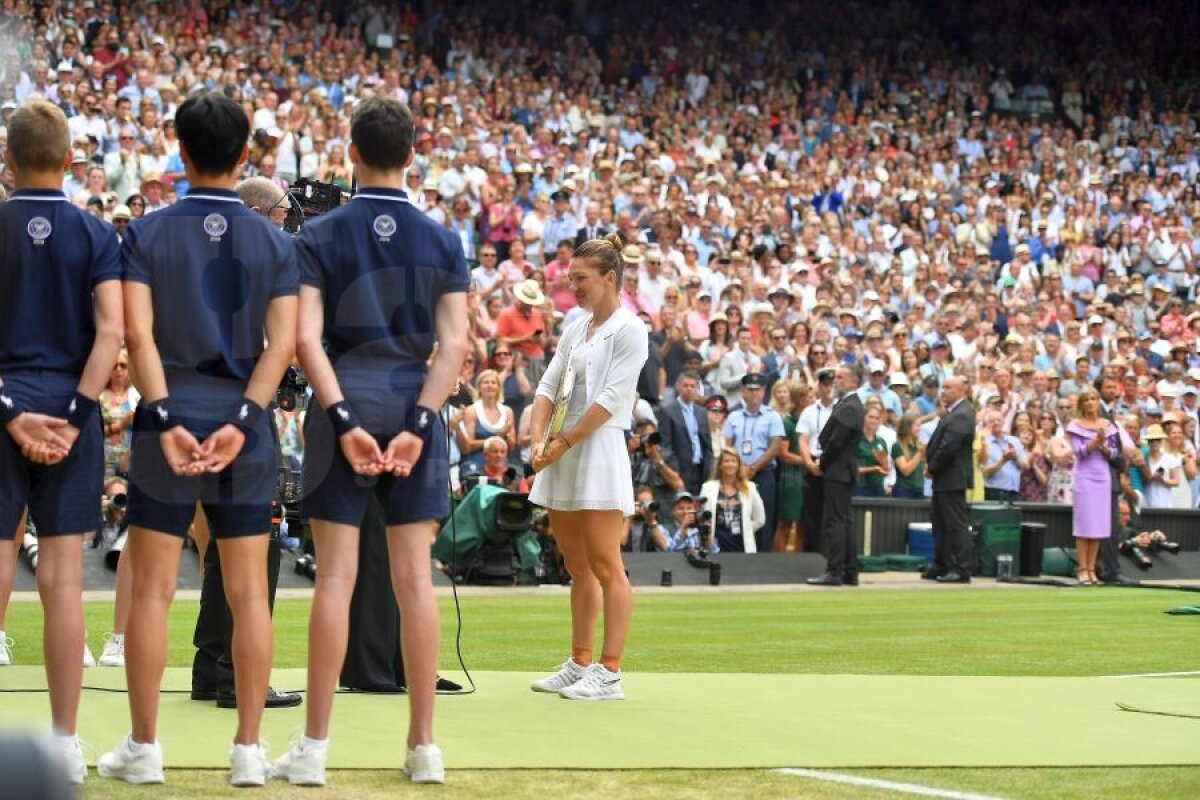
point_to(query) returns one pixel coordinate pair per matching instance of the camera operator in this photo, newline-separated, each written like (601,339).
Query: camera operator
(654,465)
(645,533)
(684,529)
(497,470)
(113,503)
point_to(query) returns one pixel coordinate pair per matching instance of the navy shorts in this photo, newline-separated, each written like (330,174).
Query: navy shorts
(63,498)
(236,501)
(333,492)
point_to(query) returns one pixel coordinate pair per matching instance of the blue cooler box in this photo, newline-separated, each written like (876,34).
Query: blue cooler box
(920,539)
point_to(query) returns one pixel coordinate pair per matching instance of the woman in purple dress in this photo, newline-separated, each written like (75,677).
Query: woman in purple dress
(1094,440)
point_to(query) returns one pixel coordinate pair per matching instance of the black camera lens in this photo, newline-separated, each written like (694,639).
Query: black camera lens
(120,500)
(652,439)
(652,507)
(705,516)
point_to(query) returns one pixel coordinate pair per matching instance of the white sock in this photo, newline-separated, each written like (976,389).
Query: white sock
(314,744)
(66,739)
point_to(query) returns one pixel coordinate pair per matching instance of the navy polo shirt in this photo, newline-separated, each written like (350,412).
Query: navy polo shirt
(52,254)
(214,266)
(382,265)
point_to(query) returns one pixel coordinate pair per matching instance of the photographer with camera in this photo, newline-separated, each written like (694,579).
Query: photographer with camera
(654,465)
(687,530)
(497,470)
(645,533)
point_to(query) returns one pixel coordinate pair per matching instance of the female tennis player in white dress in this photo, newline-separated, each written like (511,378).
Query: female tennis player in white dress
(583,407)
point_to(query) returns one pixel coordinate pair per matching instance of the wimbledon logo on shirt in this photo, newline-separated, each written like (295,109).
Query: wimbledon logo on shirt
(39,229)
(215,226)
(385,227)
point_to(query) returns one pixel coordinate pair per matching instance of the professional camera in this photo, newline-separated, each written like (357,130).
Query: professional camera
(307,199)
(1139,547)
(292,389)
(461,397)
(119,501)
(306,565)
(647,512)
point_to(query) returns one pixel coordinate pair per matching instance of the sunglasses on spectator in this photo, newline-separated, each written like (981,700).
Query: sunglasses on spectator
(825,379)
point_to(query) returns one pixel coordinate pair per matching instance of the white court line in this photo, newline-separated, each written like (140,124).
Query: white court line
(1155,675)
(892,786)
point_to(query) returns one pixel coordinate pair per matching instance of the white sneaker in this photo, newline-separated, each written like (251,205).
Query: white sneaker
(567,674)
(597,684)
(73,763)
(423,764)
(6,645)
(89,660)
(248,765)
(113,654)
(303,764)
(133,762)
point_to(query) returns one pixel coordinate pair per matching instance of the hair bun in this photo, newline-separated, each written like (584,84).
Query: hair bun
(614,240)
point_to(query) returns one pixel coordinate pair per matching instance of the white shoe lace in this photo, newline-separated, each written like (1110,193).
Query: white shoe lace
(115,642)
(6,645)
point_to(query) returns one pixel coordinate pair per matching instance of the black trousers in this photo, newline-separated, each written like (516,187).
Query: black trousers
(693,478)
(212,666)
(951,533)
(767,488)
(1001,496)
(373,661)
(814,509)
(837,531)
(1108,567)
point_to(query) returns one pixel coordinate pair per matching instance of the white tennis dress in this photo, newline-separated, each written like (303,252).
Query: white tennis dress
(595,472)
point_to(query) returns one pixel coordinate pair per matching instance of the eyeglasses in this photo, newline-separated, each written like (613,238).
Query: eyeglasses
(487,255)
(120,365)
(138,203)
(825,379)
(779,337)
(504,354)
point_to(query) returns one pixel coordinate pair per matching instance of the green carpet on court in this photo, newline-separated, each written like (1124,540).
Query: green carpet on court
(691,721)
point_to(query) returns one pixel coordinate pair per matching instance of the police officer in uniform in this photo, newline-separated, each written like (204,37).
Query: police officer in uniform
(60,335)
(204,279)
(755,431)
(381,284)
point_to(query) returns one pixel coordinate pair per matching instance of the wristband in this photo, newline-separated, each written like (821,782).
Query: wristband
(246,416)
(9,408)
(81,411)
(423,419)
(161,419)
(343,418)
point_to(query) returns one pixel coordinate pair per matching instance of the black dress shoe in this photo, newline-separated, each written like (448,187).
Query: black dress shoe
(828,579)
(930,575)
(274,699)
(204,695)
(850,580)
(954,576)
(444,685)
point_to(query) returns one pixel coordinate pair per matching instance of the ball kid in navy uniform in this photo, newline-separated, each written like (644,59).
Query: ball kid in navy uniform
(381,283)
(204,279)
(60,333)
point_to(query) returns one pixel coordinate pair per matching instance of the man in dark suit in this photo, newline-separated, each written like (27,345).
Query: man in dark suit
(952,466)
(592,228)
(683,423)
(839,467)
(1108,567)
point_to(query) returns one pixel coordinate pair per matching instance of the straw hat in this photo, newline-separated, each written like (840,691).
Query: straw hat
(1154,432)
(529,293)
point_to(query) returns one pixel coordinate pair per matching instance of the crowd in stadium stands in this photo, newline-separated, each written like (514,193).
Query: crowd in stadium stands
(1006,191)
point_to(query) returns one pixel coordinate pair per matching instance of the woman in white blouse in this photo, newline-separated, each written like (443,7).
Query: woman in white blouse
(737,509)
(583,471)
